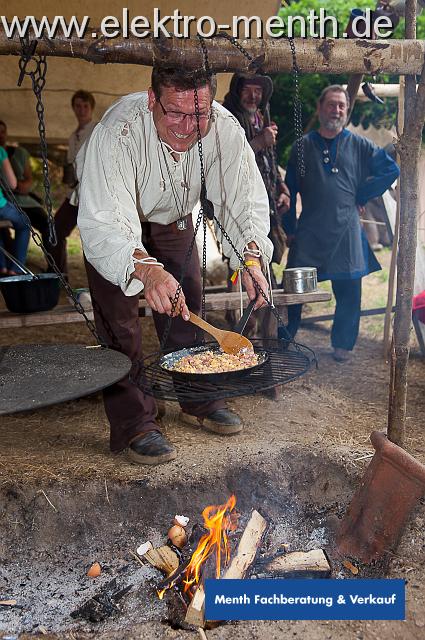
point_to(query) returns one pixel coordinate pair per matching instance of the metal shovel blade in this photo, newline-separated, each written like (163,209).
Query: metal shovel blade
(391,487)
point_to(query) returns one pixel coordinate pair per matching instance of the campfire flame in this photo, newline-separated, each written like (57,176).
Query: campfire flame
(218,521)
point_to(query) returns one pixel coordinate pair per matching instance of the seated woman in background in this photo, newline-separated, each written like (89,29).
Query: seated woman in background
(9,212)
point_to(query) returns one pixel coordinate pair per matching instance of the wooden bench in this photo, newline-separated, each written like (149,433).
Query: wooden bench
(64,314)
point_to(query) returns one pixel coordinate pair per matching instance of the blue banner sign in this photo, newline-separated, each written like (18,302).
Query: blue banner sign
(305,599)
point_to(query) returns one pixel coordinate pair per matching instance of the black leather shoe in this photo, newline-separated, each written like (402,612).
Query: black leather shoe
(222,421)
(151,448)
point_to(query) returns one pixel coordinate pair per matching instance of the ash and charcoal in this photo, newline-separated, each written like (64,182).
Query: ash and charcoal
(103,604)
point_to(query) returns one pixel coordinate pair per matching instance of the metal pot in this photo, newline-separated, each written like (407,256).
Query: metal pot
(300,280)
(27,294)
(30,292)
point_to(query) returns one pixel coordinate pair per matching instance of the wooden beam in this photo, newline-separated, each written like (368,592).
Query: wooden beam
(65,314)
(330,316)
(271,55)
(389,90)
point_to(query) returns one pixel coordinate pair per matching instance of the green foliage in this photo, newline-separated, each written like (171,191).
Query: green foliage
(420,28)
(57,188)
(311,85)
(340,9)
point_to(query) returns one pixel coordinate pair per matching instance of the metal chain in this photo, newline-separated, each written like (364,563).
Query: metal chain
(38,80)
(204,267)
(298,115)
(203,196)
(200,218)
(298,120)
(38,241)
(254,281)
(179,287)
(298,128)
(233,40)
(205,56)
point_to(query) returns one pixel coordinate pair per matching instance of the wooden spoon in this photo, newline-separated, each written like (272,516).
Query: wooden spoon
(229,341)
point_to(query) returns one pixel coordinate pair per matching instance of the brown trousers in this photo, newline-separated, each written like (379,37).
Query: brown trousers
(130,411)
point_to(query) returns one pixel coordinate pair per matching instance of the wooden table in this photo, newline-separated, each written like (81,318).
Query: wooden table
(64,314)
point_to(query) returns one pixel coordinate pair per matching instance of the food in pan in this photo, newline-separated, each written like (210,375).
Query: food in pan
(215,362)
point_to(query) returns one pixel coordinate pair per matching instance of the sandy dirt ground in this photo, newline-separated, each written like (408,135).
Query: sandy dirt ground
(328,414)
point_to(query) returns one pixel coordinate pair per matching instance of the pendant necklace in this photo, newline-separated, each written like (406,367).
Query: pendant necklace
(327,154)
(181,204)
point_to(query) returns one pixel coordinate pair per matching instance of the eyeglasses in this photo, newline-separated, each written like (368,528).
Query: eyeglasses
(178,117)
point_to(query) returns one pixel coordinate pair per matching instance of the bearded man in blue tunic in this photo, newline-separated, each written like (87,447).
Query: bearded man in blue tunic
(343,171)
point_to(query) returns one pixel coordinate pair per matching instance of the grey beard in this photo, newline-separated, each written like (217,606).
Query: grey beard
(251,110)
(334,124)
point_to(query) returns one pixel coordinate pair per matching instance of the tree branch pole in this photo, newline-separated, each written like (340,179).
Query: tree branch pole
(403,57)
(387,339)
(409,150)
(353,86)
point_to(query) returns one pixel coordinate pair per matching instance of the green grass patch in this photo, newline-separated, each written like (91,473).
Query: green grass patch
(383,275)
(74,245)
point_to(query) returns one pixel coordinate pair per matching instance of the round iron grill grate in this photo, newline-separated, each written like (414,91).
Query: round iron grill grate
(286,362)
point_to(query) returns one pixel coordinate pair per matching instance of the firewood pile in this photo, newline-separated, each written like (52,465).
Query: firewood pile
(216,549)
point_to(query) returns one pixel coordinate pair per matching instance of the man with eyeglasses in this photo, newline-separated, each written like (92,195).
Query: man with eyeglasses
(140,177)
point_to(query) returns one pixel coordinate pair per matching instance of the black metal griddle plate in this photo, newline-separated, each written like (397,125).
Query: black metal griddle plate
(35,376)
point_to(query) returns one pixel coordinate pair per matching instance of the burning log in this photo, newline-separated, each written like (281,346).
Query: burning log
(176,576)
(248,547)
(239,566)
(300,564)
(196,610)
(162,558)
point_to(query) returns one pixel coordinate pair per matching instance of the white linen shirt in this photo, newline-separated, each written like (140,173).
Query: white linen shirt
(124,179)
(75,142)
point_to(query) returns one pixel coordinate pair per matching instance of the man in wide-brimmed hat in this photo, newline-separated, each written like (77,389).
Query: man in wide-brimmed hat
(248,99)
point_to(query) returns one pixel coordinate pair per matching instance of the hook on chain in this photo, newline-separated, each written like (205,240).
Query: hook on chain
(28,52)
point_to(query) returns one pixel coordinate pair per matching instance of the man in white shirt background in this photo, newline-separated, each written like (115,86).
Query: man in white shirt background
(83,104)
